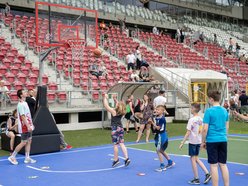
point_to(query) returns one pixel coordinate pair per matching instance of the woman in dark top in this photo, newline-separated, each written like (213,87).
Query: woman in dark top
(117,131)
(11,131)
(147,110)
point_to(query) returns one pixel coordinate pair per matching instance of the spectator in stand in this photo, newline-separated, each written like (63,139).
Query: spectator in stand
(7,9)
(30,99)
(131,59)
(138,58)
(94,69)
(237,49)
(155,30)
(178,35)
(215,39)
(223,71)
(134,77)
(201,37)
(122,23)
(102,25)
(121,80)
(231,44)
(243,103)
(4,92)
(181,36)
(110,25)
(147,115)
(12,129)
(144,75)
(144,63)
(103,70)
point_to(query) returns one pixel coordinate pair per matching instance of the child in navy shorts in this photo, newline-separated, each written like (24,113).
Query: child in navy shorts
(214,137)
(117,131)
(194,130)
(161,138)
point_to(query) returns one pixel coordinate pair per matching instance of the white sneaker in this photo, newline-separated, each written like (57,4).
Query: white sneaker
(12,160)
(160,169)
(29,160)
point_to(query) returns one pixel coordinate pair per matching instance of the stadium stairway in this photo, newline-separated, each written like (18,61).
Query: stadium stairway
(63,84)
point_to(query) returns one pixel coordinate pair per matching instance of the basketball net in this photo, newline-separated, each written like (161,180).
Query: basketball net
(77,47)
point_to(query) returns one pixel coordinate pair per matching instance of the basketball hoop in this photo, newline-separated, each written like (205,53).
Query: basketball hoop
(77,46)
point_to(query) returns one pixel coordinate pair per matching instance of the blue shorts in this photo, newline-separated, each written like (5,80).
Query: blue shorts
(161,142)
(194,149)
(117,135)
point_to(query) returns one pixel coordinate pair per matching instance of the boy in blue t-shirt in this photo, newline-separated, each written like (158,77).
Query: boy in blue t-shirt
(161,138)
(214,137)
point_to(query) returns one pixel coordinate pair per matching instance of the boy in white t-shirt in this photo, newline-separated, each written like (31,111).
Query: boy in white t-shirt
(194,130)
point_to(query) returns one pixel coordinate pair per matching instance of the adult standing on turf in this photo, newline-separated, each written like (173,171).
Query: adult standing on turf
(25,128)
(131,59)
(243,102)
(147,110)
(160,100)
(30,99)
(130,113)
(117,130)
(214,137)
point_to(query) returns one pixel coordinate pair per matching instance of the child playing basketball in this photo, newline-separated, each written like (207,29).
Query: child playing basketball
(161,138)
(214,137)
(117,129)
(194,130)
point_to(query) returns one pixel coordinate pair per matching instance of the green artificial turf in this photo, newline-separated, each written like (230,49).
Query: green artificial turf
(93,137)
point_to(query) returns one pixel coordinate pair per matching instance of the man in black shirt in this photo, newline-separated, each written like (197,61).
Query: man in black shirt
(243,100)
(30,99)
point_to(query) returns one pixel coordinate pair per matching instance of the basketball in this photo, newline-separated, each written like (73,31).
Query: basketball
(97,52)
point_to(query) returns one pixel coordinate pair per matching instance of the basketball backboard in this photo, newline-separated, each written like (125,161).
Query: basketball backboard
(57,23)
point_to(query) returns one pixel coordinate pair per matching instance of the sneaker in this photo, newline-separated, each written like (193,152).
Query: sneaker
(207,178)
(170,164)
(194,182)
(115,163)
(161,169)
(29,160)
(67,147)
(12,160)
(127,162)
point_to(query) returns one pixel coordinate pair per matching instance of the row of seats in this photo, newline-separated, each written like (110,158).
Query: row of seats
(191,59)
(119,43)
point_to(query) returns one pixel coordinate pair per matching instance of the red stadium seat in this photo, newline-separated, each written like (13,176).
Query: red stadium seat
(10,77)
(22,77)
(51,97)
(52,86)
(18,85)
(62,97)
(3,69)
(13,98)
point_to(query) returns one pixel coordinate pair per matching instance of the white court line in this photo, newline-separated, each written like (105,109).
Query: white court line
(80,171)
(236,139)
(230,162)
(63,152)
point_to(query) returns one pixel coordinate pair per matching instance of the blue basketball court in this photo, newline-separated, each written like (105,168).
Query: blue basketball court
(92,166)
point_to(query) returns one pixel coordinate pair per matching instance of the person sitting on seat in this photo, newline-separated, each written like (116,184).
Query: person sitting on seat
(12,128)
(103,70)
(134,76)
(94,69)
